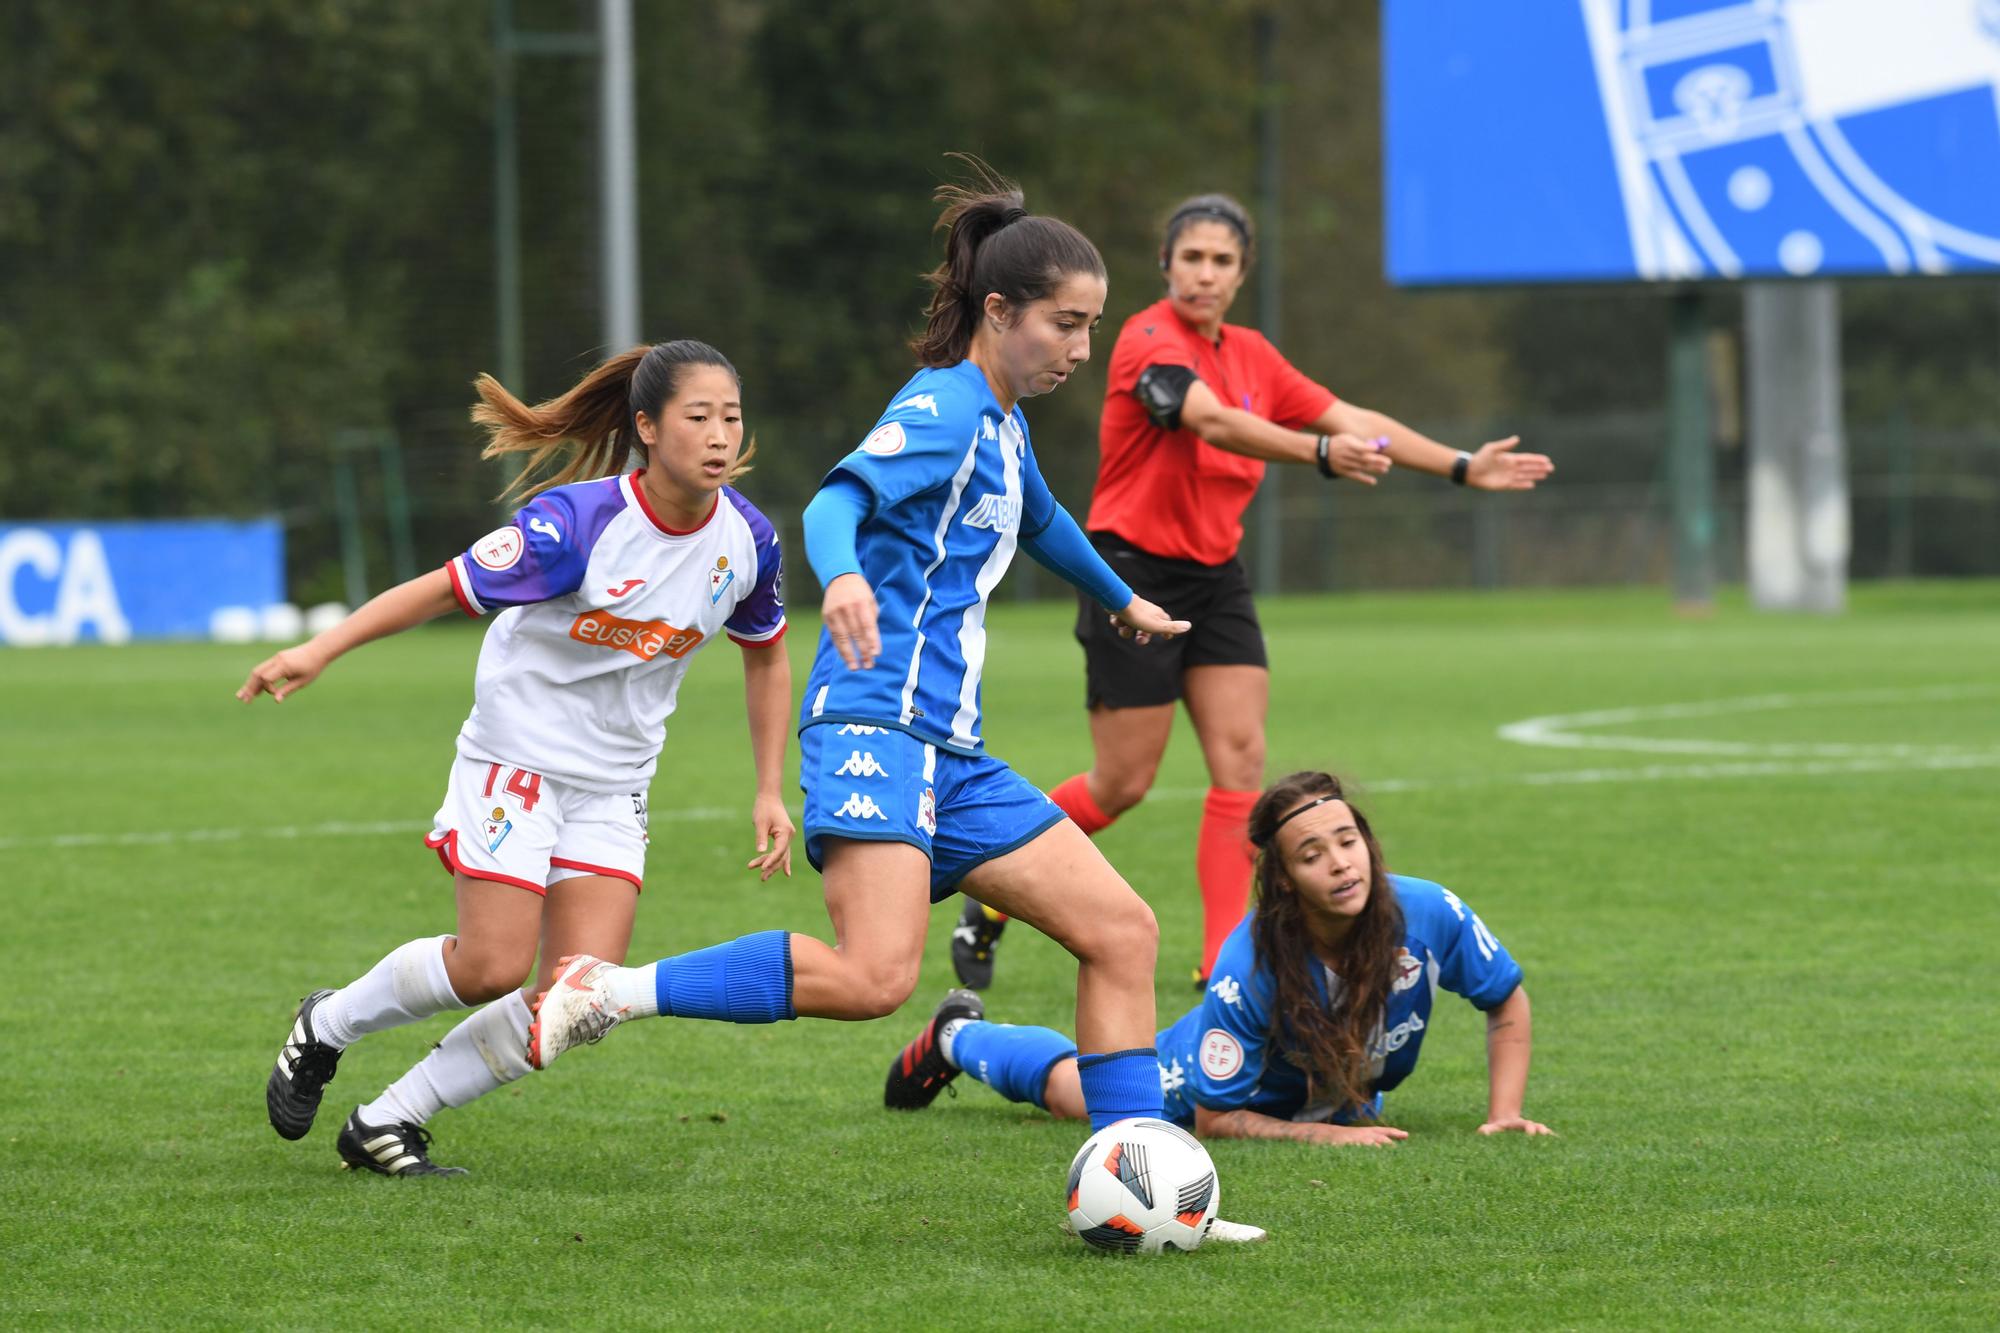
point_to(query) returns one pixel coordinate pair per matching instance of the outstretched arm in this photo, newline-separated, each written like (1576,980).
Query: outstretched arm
(425,597)
(767,695)
(1493,467)
(1509,1042)
(1256,1125)
(1350,454)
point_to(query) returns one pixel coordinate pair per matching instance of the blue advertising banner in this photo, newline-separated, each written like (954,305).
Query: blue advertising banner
(1662,140)
(114,581)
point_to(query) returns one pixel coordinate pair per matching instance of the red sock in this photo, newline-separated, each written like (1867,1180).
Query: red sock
(1222,860)
(1074,798)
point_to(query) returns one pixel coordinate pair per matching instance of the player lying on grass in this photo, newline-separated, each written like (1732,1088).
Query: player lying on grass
(605,589)
(1319,1005)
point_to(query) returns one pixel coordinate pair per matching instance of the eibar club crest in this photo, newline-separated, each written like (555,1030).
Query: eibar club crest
(496,828)
(719,579)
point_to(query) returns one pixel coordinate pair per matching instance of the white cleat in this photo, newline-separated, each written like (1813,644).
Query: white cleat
(575,1010)
(1235,1233)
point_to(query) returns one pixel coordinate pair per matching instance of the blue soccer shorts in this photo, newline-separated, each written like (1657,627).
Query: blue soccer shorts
(878,784)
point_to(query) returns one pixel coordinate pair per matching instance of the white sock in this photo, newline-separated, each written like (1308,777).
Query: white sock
(409,984)
(486,1051)
(635,990)
(947,1035)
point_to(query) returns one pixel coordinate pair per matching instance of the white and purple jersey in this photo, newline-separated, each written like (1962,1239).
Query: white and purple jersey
(601,607)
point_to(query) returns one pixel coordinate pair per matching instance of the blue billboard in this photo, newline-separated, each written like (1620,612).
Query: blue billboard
(1666,140)
(114,581)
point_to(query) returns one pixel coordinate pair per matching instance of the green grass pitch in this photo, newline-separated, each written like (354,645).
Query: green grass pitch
(1763,964)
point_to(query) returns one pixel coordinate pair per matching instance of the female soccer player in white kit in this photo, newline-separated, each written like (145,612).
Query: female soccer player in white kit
(604,590)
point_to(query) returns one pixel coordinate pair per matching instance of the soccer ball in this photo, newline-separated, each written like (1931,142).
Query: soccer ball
(1141,1186)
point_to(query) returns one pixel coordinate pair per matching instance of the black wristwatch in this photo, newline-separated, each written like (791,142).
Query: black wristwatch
(1460,466)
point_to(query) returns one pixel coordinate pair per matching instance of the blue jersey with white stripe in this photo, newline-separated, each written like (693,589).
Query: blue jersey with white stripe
(955,489)
(1223,1054)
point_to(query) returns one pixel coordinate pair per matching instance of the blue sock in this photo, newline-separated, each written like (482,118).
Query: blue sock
(1013,1061)
(748,980)
(1120,1084)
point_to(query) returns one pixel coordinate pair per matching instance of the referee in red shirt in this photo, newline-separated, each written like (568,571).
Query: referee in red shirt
(1193,410)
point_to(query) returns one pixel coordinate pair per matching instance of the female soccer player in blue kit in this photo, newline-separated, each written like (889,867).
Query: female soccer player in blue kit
(909,534)
(1320,1001)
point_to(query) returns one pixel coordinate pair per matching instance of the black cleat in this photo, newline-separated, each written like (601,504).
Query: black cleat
(920,1072)
(389,1150)
(304,1068)
(972,942)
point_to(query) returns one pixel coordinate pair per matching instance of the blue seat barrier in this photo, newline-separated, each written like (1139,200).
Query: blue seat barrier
(112,582)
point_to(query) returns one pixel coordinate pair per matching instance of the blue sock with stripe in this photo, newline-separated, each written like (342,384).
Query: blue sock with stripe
(1120,1084)
(1013,1061)
(748,980)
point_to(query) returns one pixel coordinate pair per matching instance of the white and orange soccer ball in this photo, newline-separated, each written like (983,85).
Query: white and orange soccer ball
(1142,1186)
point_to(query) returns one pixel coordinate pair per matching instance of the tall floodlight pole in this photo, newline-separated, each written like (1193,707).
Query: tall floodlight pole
(1270,556)
(618,176)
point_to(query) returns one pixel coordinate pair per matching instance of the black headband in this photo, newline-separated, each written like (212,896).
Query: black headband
(1234,223)
(1272,836)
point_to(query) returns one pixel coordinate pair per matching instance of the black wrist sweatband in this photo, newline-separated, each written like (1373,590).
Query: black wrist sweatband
(1325,464)
(1460,467)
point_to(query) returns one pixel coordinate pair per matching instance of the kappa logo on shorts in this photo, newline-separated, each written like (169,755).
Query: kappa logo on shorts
(857,729)
(496,827)
(644,639)
(860,765)
(861,807)
(927,812)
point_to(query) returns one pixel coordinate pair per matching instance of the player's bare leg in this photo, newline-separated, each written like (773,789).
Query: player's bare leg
(878,895)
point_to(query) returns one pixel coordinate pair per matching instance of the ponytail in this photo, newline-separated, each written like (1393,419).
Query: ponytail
(992,244)
(596,422)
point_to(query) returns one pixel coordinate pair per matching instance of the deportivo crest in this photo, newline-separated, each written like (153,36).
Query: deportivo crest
(719,579)
(496,828)
(1407,971)
(500,548)
(884,440)
(927,812)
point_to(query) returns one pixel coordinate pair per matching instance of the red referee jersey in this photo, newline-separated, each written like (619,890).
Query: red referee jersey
(1169,491)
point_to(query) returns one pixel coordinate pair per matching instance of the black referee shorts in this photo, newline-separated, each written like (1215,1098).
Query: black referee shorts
(1120,673)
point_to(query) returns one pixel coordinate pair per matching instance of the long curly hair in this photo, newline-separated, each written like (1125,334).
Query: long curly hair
(1328,1042)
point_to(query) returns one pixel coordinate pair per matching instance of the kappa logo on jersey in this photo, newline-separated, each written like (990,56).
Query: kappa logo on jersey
(858,806)
(998,512)
(927,812)
(496,827)
(860,765)
(1229,990)
(500,548)
(625,588)
(1408,971)
(986,429)
(1221,1054)
(1172,1078)
(719,579)
(923,400)
(644,639)
(546,528)
(884,440)
(857,729)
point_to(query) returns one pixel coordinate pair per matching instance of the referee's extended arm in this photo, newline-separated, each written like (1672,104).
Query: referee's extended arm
(1246,433)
